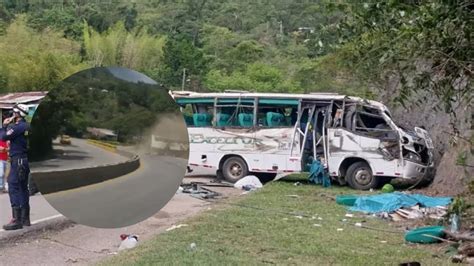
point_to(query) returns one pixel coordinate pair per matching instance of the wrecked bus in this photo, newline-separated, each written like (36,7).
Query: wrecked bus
(237,133)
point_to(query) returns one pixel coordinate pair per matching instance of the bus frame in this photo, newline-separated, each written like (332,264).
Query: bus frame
(354,138)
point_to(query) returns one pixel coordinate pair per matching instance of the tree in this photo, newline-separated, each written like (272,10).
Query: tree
(137,49)
(426,46)
(179,53)
(35,61)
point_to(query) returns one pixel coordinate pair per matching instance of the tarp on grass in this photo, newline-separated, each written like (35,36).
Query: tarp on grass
(390,202)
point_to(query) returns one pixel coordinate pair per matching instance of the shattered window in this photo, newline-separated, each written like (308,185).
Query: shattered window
(234,116)
(202,116)
(369,122)
(234,112)
(271,116)
(188,114)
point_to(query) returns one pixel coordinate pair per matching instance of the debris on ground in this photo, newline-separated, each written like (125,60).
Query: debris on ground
(397,206)
(248,183)
(196,190)
(176,227)
(215,183)
(318,174)
(411,263)
(388,188)
(192,246)
(425,235)
(128,241)
(347,200)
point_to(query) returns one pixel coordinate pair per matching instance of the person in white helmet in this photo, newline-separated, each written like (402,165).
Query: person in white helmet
(15,131)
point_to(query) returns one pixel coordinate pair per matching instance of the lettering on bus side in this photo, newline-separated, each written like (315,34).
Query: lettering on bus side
(201,139)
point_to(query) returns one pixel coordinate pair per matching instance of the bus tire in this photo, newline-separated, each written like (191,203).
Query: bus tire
(359,176)
(234,168)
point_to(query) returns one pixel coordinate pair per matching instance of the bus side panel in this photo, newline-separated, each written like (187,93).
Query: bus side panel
(341,144)
(209,145)
(273,148)
(344,144)
(263,150)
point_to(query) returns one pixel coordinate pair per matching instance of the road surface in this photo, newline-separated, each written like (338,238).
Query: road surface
(124,200)
(79,154)
(83,245)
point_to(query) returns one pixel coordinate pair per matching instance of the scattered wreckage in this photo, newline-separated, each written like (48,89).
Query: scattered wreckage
(397,206)
(234,134)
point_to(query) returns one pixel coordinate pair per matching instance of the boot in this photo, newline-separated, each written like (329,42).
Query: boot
(15,223)
(25,216)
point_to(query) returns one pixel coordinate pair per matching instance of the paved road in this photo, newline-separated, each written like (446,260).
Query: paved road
(77,155)
(83,245)
(124,200)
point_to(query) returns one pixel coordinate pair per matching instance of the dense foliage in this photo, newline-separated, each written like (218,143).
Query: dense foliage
(278,46)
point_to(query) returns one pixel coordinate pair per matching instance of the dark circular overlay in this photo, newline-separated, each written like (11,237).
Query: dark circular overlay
(108,147)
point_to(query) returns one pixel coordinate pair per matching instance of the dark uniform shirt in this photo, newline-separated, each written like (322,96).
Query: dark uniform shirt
(16,135)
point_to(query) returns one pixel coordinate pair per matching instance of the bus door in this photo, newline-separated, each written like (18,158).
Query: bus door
(310,133)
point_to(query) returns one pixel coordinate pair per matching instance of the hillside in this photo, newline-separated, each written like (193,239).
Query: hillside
(416,57)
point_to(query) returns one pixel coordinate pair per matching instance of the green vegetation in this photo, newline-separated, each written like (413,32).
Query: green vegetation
(266,232)
(81,101)
(278,46)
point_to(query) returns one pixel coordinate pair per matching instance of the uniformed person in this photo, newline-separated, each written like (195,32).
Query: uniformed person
(16,130)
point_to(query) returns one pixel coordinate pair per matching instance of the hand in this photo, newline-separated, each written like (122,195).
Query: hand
(8,120)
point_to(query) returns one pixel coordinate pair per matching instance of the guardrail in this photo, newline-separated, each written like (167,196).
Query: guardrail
(104,145)
(56,181)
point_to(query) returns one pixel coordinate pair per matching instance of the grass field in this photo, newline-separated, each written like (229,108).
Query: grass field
(271,226)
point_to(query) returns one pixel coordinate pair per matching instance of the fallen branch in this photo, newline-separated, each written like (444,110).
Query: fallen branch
(439,238)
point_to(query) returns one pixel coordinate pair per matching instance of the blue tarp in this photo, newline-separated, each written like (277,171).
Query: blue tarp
(318,175)
(389,202)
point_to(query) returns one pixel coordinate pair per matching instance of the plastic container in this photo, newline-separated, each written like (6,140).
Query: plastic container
(422,234)
(347,200)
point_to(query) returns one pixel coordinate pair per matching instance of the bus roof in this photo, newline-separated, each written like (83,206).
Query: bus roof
(313,96)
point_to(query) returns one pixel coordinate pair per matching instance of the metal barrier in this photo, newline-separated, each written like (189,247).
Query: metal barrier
(56,181)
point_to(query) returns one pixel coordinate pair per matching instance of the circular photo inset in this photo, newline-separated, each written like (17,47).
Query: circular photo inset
(108,147)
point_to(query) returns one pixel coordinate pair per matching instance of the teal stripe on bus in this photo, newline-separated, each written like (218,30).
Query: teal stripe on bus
(194,100)
(236,100)
(279,101)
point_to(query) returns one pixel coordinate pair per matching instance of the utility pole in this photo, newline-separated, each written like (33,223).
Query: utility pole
(184,79)
(281,30)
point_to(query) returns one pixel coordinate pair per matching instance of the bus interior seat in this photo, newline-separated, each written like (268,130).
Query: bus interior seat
(275,119)
(245,120)
(189,120)
(223,120)
(261,119)
(202,120)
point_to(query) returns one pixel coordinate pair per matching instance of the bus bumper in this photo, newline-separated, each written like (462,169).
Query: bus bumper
(415,171)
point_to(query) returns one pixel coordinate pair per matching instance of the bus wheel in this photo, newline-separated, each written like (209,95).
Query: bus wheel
(234,168)
(359,176)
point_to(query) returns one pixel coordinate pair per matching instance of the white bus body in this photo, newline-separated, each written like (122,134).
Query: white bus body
(355,138)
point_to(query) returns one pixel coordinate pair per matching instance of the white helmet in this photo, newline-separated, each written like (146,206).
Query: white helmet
(21,109)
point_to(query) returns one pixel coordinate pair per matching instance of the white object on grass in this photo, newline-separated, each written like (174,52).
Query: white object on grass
(249,180)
